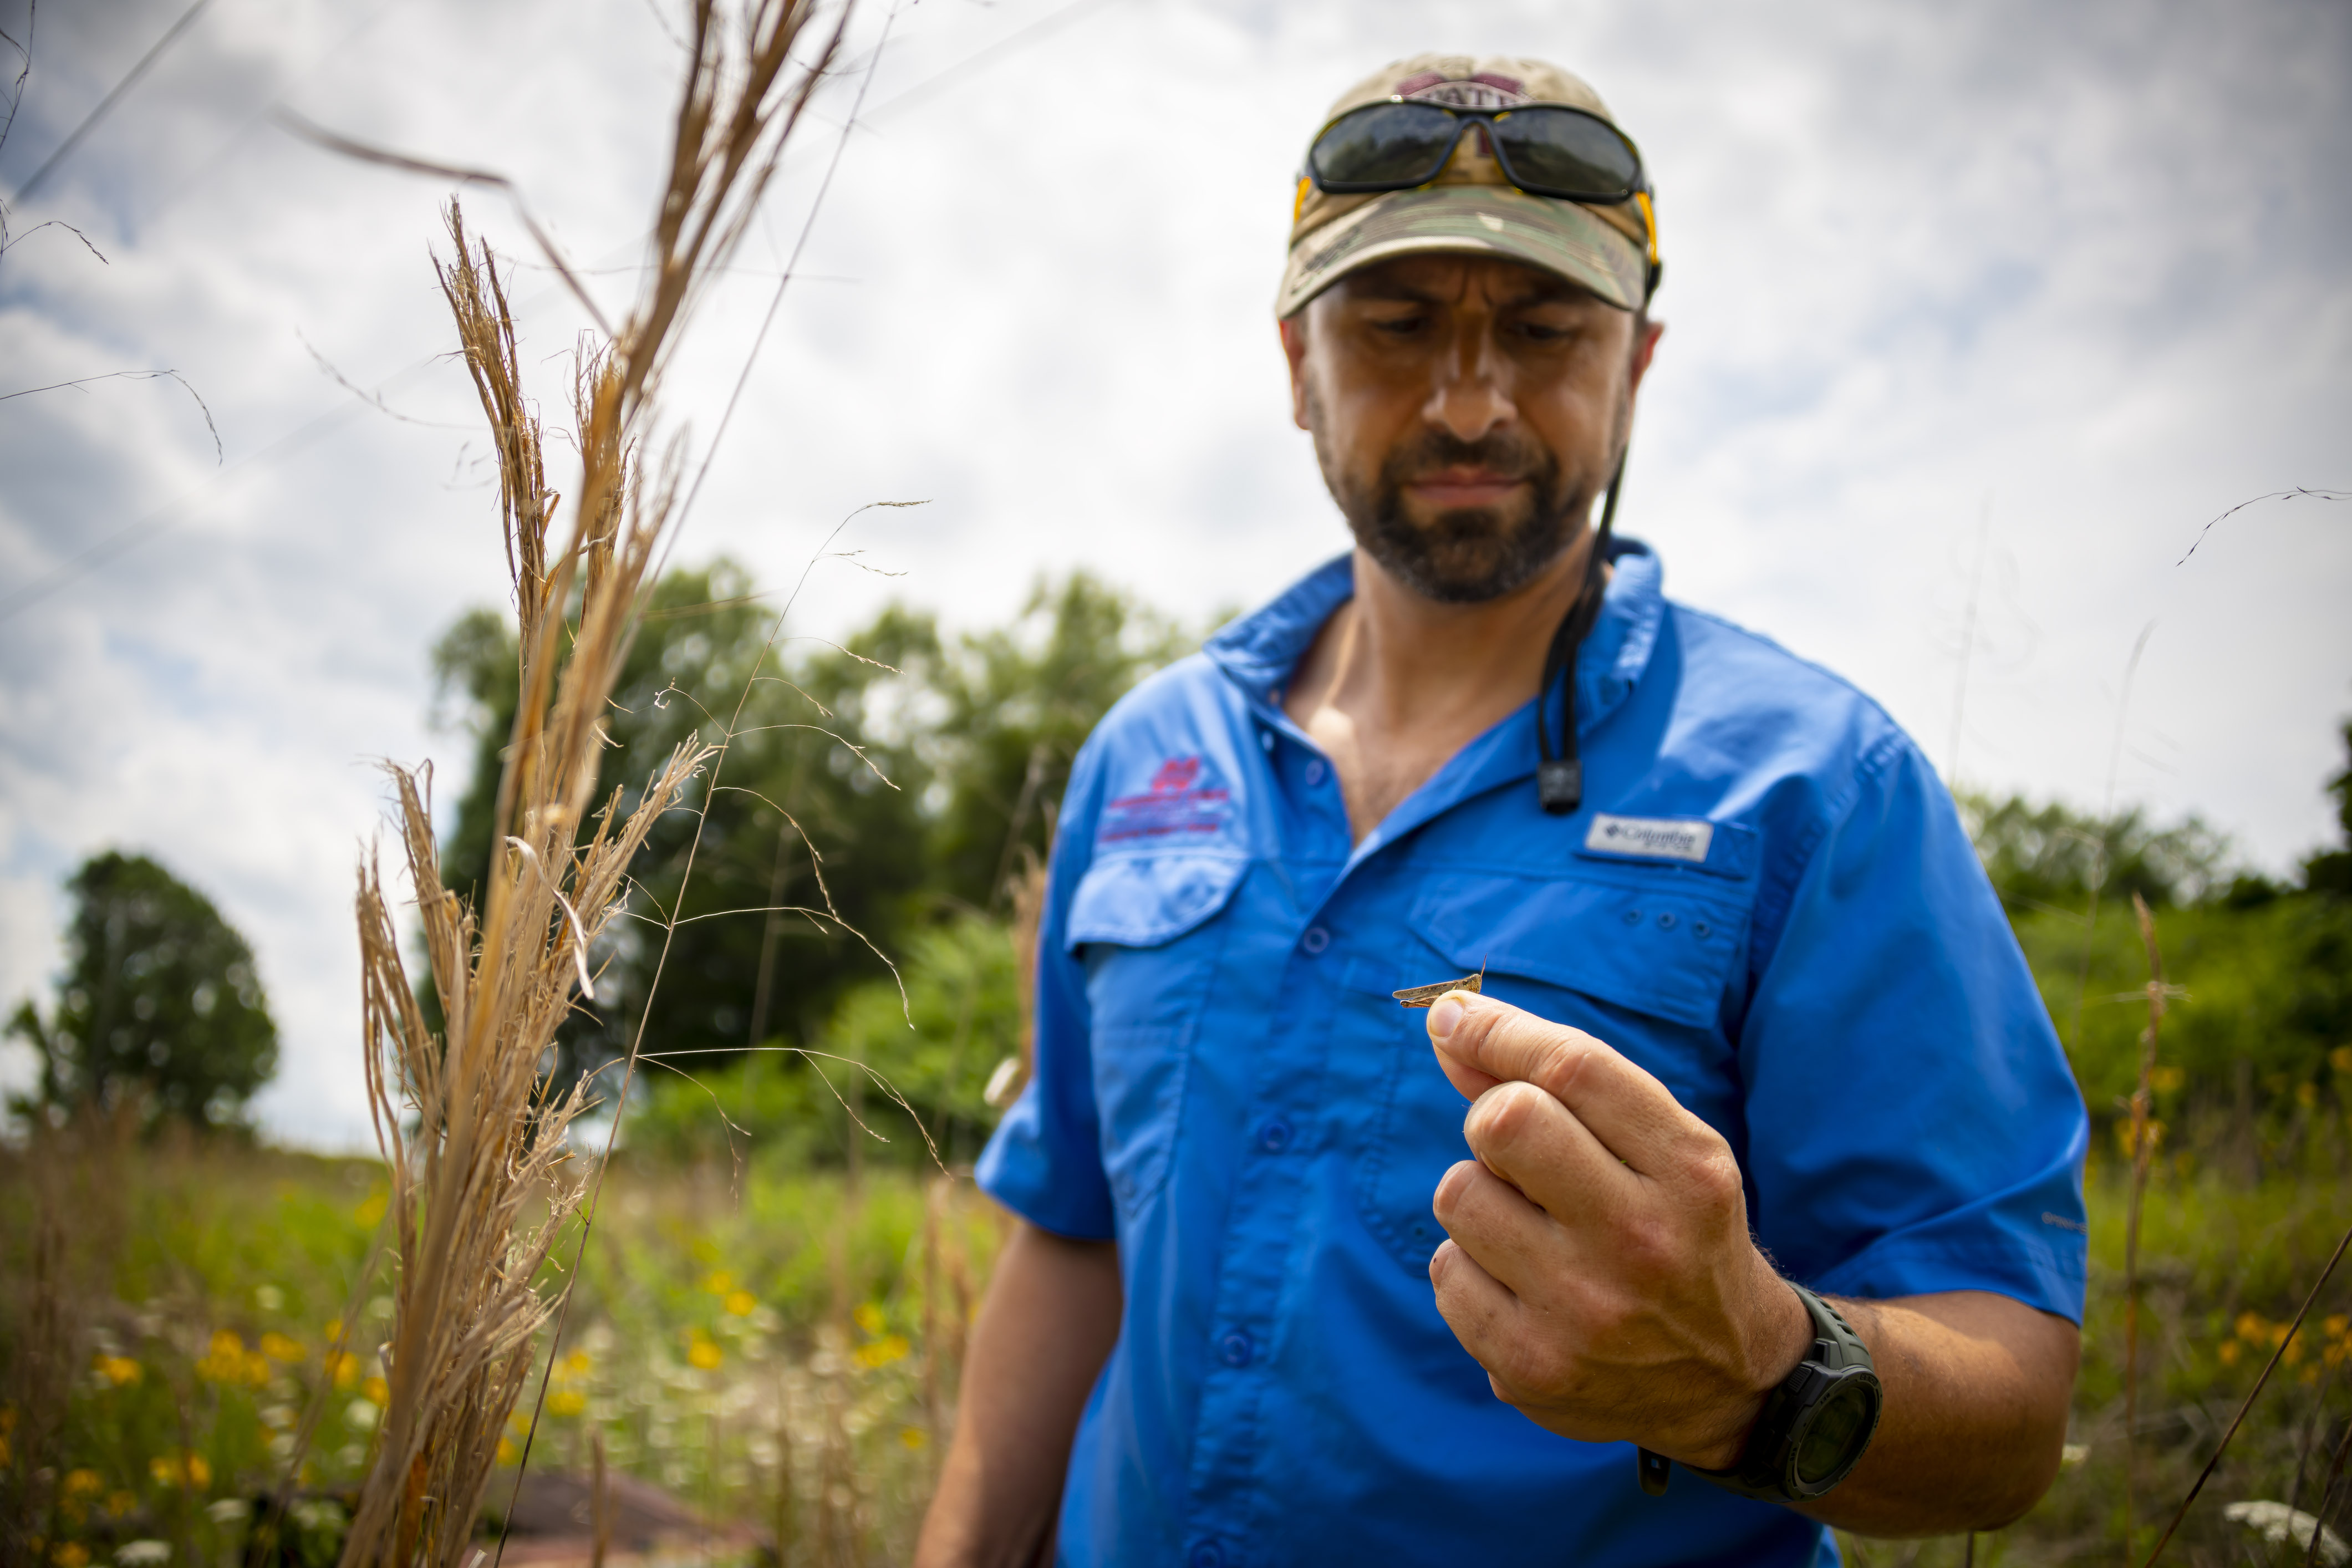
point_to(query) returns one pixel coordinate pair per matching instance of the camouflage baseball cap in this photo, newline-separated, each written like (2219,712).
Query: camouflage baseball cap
(1610,249)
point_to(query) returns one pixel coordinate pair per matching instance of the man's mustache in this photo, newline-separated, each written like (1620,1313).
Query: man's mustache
(1506,456)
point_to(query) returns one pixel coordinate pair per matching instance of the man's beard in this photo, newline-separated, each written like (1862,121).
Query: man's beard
(1470,554)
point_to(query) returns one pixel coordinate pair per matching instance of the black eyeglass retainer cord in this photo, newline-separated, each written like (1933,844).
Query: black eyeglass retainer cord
(1559,778)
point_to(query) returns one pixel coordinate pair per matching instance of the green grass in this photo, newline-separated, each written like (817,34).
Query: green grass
(756,1342)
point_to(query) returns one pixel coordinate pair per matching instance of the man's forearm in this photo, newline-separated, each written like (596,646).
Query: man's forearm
(1976,1392)
(1050,1319)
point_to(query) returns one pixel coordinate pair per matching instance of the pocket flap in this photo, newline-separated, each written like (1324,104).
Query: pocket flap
(1655,950)
(1142,900)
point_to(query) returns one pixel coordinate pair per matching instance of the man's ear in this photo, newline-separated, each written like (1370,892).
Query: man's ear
(1293,328)
(1646,334)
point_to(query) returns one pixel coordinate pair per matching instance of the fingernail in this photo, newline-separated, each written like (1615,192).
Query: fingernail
(1445,1017)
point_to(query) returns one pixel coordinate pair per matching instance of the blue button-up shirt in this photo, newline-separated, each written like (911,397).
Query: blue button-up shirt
(1767,901)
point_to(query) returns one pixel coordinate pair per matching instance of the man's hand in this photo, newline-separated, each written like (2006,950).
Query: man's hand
(1599,1267)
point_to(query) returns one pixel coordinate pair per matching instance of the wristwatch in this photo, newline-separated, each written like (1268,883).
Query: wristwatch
(1815,1425)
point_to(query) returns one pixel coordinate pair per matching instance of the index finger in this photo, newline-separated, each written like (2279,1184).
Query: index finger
(1481,1042)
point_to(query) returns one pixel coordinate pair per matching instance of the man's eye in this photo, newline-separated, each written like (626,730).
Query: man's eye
(1399,326)
(1545,333)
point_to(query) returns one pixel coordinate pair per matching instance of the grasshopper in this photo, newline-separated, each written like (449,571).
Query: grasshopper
(1424,995)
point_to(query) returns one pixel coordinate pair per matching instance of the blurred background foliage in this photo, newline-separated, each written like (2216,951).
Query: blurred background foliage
(159,1014)
(877,802)
(850,919)
(772,1320)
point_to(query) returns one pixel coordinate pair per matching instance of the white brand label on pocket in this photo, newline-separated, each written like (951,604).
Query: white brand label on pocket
(1657,837)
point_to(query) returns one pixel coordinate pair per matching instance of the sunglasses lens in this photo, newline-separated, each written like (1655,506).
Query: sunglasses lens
(1567,152)
(1387,143)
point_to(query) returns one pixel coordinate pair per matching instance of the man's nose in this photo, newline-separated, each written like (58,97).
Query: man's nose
(1469,397)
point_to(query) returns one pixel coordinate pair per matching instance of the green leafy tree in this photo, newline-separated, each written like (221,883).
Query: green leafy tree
(2330,870)
(2046,857)
(1018,704)
(160,1002)
(872,792)
(813,812)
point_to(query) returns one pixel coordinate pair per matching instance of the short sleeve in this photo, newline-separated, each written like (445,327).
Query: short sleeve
(1044,1160)
(1913,1124)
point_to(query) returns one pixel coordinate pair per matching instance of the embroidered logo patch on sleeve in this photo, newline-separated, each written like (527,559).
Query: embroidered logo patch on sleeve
(1652,837)
(1185,797)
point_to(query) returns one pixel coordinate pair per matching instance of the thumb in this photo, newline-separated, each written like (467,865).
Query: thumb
(1445,1017)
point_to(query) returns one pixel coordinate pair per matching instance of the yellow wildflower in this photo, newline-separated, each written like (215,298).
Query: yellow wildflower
(376,1391)
(2166,1080)
(566,1402)
(2252,1328)
(278,1347)
(120,1502)
(344,1367)
(702,1351)
(2338,1324)
(2230,1350)
(118,1369)
(225,1362)
(720,1283)
(2340,1058)
(912,1437)
(370,1210)
(868,1316)
(508,1452)
(69,1554)
(577,1364)
(741,1303)
(74,1494)
(881,1353)
(188,1469)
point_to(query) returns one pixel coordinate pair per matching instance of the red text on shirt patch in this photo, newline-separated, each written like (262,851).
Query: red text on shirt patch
(1185,797)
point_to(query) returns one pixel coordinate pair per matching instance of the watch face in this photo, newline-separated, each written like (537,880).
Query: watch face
(1832,1439)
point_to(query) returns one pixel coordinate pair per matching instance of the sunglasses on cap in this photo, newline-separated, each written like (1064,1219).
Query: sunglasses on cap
(1544,149)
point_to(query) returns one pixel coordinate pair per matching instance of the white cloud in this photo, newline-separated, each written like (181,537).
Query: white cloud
(2086,261)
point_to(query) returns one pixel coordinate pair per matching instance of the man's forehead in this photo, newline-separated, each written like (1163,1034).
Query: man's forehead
(1448,275)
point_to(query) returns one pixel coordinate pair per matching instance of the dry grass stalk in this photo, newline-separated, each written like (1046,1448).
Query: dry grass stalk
(482,1179)
(2142,1148)
(2277,1354)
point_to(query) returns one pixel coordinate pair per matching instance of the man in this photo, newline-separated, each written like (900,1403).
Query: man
(1747,1021)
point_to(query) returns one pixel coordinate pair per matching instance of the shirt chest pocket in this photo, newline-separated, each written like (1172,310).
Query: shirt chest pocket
(1145,928)
(1644,968)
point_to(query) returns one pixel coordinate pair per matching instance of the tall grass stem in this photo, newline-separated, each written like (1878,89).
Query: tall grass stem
(2253,1393)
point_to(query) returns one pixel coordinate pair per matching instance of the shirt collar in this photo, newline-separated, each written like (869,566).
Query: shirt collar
(1259,651)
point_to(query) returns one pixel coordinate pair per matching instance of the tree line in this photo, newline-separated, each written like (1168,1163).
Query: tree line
(842,892)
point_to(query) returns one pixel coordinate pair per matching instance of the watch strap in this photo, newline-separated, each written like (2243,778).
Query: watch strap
(1836,1349)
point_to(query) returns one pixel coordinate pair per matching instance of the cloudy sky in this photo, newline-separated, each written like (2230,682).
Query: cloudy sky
(2006,293)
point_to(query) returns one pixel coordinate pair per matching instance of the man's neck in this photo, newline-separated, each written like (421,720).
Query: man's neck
(1396,683)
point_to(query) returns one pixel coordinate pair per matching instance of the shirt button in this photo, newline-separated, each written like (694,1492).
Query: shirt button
(1274,1136)
(1235,1348)
(1315,940)
(1206,1554)
(1632,917)
(1666,920)
(1314,772)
